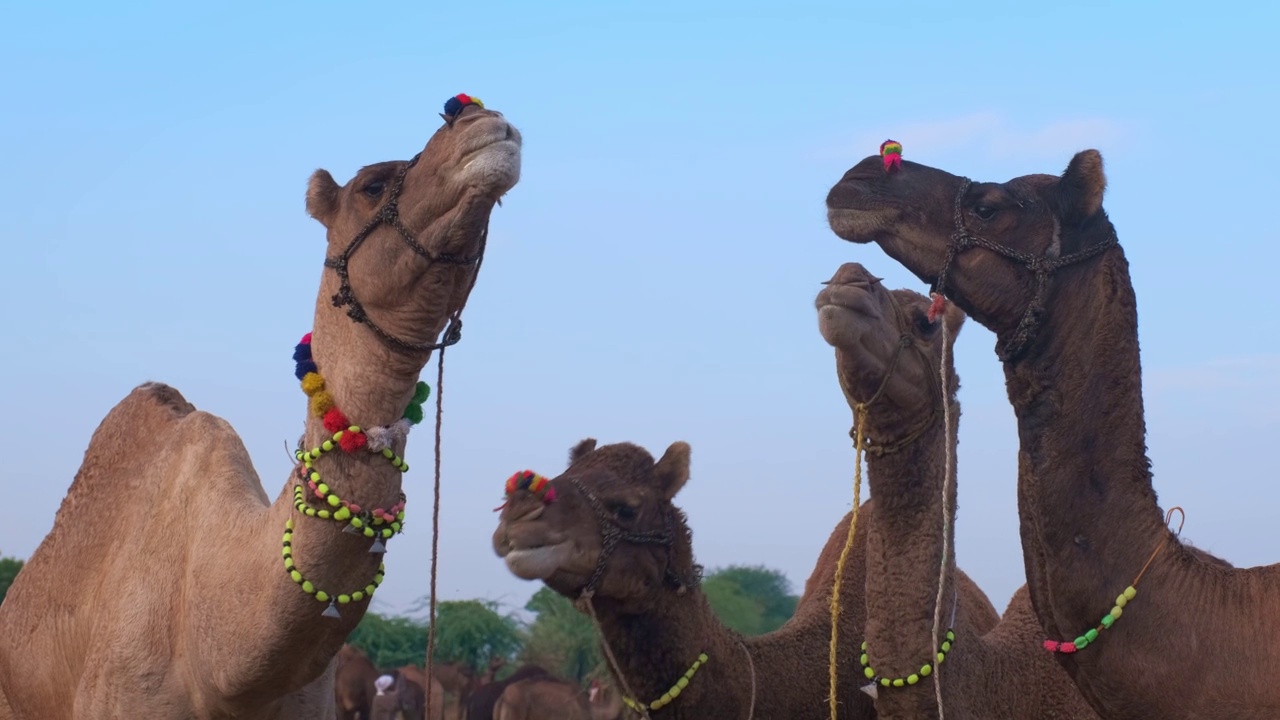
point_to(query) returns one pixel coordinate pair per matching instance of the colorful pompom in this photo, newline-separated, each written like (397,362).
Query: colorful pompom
(335,421)
(304,367)
(352,441)
(312,383)
(936,308)
(321,403)
(454,105)
(302,352)
(529,480)
(413,413)
(891,153)
(421,392)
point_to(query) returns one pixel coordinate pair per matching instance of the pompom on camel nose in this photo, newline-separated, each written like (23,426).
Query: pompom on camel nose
(454,106)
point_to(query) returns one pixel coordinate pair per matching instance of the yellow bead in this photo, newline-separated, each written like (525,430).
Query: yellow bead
(682,683)
(357,596)
(946,646)
(288,524)
(702,657)
(674,692)
(387,453)
(288,563)
(344,599)
(1116,612)
(324,514)
(864,659)
(342,514)
(1121,601)
(315,477)
(307,587)
(354,428)
(327,445)
(369,589)
(322,595)
(333,500)
(357,523)
(297,576)
(885,682)
(912,679)
(868,672)
(311,512)
(1130,591)
(368,532)
(377,579)
(941,657)
(899,682)
(926,670)
(323,489)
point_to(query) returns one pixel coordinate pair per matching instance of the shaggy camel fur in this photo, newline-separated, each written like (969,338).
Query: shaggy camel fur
(191,613)
(353,683)
(652,610)
(1197,641)
(1002,673)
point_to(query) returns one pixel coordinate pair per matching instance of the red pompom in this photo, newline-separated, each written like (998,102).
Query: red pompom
(1067,647)
(1052,645)
(353,441)
(550,497)
(334,420)
(935,309)
(306,339)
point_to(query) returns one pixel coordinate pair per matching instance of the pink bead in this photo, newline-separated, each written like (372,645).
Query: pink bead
(1052,645)
(319,494)
(1068,647)
(353,508)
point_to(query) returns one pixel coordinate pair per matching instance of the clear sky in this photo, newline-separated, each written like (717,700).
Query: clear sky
(651,278)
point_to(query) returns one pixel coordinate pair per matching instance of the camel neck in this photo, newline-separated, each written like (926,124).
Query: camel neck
(904,551)
(1088,512)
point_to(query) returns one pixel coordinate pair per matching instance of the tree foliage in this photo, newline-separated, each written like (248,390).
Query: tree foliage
(752,600)
(9,568)
(471,631)
(561,638)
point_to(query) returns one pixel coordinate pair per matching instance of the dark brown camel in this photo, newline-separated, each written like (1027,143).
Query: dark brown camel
(480,705)
(652,610)
(542,698)
(353,684)
(1001,673)
(1197,641)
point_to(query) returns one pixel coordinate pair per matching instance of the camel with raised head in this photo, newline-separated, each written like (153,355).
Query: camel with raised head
(888,353)
(1037,261)
(221,603)
(607,528)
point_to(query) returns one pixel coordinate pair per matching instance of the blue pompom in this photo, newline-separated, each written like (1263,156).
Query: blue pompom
(302,352)
(452,106)
(304,367)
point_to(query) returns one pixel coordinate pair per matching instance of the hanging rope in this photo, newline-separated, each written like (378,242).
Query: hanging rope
(435,525)
(947,481)
(860,417)
(585,600)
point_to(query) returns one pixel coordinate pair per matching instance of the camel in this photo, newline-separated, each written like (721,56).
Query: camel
(652,611)
(353,683)
(888,354)
(204,611)
(480,705)
(1037,261)
(542,698)
(605,702)
(404,697)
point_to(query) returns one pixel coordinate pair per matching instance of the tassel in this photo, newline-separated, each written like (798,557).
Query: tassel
(870,689)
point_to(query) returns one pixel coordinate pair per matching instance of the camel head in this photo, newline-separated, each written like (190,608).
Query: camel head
(888,350)
(996,235)
(408,234)
(606,526)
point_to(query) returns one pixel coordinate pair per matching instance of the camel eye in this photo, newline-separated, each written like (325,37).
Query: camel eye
(375,188)
(623,511)
(923,325)
(986,212)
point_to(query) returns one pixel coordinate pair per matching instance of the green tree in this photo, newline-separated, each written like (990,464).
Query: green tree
(561,638)
(9,568)
(390,641)
(471,631)
(750,599)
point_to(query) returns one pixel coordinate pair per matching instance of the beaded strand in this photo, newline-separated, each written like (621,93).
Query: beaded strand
(925,670)
(671,694)
(309,588)
(343,510)
(1092,634)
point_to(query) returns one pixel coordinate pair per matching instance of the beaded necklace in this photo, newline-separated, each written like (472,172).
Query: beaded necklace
(672,693)
(379,523)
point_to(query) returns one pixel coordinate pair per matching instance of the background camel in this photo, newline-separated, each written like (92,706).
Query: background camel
(1196,640)
(652,610)
(480,704)
(1000,673)
(542,698)
(193,614)
(353,684)
(406,699)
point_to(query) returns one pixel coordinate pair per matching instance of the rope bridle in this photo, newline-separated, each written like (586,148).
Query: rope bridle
(389,214)
(611,534)
(905,340)
(1042,266)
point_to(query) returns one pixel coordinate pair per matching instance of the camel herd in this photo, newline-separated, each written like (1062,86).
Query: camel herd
(1118,619)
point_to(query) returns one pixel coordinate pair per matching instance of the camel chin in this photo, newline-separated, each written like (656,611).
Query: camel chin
(538,563)
(857,226)
(495,166)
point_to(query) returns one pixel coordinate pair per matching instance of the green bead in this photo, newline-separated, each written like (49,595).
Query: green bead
(387,453)
(395,527)
(368,589)
(288,563)
(941,657)
(357,596)
(885,682)
(674,692)
(357,523)
(388,532)
(899,682)
(295,575)
(285,551)
(951,636)
(1091,635)
(322,595)
(377,579)
(333,500)
(946,646)
(315,477)
(1107,621)
(327,445)
(1081,642)
(868,672)
(368,532)
(864,659)
(311,512)
(324,514)
(288,524)
(308,587)
(702,657)
(864,645)
(682,683)
(912,679)
(342,514)
(344,599)
(926,670)
(322,488)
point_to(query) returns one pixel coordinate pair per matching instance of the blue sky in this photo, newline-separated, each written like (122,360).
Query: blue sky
(651,278)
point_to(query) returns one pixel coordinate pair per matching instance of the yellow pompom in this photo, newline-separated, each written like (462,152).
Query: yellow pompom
(321,403)
(312,383)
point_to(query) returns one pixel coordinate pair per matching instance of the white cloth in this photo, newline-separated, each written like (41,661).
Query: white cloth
(383,684)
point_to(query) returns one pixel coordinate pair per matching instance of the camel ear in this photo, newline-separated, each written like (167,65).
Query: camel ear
(1079,191)
(581,450)
(672,471)
(322,197)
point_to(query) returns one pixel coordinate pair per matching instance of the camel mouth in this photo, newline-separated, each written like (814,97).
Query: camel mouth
(539,562)
(860,227)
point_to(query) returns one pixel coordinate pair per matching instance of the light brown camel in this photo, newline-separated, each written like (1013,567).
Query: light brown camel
(606,702)
(353,683)
(652,611)
(163,583)
(1197,640)
(543,698)
(480,704)
(888,354)
(404,697)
